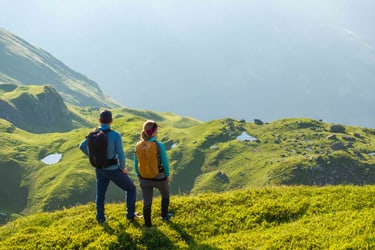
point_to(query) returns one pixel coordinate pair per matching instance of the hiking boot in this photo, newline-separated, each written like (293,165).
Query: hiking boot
(136,215)
(166,218)
(102,221)
(164,207)
(147,216)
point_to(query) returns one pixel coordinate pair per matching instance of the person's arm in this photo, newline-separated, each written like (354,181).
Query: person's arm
(83,147)
(136,163)
(164,158)
(120,153)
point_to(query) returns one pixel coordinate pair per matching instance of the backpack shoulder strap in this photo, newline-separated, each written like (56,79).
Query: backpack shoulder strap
(95,130)
(160,163)
(158,147)
(106,131)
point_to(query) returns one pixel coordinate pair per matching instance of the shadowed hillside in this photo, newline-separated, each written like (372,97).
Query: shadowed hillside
(38,109)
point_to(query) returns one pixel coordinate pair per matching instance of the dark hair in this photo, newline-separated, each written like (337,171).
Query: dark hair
(105,117)
(149,127)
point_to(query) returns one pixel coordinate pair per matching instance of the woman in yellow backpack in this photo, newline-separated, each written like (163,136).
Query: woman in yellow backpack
(152,168)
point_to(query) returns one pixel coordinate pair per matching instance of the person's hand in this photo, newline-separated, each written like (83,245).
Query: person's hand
(124,170)
(167,178)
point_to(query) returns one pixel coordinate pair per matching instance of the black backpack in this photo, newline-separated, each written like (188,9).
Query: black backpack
(97,145)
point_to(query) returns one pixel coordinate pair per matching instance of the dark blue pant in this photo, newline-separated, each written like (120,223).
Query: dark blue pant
(103,177)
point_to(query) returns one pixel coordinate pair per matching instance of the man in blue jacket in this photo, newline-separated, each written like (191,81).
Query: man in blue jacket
(117,172)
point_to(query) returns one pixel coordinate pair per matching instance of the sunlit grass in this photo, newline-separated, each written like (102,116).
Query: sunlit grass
(332,217)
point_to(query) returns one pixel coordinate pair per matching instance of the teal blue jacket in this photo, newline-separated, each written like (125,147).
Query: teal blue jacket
(163,157)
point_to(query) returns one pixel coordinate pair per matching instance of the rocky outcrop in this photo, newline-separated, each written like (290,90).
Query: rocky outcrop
(337,128)
(36,109)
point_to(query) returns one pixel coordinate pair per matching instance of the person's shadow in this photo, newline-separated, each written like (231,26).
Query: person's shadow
(125,240)
(152,238)
(189,239)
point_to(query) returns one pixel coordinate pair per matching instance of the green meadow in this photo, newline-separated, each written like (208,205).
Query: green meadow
(283,217)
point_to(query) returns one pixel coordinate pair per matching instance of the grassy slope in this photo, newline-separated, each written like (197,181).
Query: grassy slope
(289,151)
(332,217)
(72,180)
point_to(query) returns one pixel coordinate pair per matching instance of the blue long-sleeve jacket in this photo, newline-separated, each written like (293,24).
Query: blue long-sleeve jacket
(163,157)
(114,148)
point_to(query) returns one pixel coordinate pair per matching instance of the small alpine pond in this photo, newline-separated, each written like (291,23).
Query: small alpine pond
(52,158)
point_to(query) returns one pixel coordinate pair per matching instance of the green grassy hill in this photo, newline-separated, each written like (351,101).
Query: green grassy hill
(203,157)
(331,217)
(28,185)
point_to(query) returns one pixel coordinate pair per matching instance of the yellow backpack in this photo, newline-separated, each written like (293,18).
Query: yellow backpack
(148,159)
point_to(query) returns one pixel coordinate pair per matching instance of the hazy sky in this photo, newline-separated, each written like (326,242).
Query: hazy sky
(159,49)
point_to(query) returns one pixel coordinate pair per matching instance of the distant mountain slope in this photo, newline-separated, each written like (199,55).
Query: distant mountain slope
(23,63)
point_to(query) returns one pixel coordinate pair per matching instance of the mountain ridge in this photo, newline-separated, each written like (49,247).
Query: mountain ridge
(23,63)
